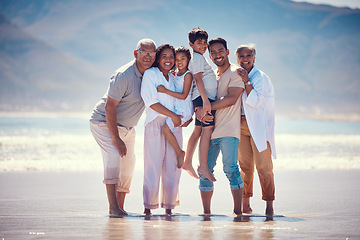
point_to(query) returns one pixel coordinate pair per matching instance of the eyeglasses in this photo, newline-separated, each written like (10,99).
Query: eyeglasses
(144,53)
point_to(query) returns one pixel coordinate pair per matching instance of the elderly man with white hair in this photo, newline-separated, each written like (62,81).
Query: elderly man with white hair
(112,124)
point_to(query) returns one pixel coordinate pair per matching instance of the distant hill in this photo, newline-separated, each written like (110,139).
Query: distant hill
(36,77)
(311,52)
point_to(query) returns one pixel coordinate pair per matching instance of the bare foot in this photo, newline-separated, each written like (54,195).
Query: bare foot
(189,168)
(237,213)
(117,213)
(246,205)
(180,159)
(206,172)
(147,211)
(247,210)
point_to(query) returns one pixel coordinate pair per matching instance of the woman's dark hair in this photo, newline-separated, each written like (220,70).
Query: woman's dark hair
(158,53)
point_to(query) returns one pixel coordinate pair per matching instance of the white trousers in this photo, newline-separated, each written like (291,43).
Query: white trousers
(160,162)
(117,170)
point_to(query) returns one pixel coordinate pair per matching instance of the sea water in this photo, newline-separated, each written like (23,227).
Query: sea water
(51,172)
(65,144)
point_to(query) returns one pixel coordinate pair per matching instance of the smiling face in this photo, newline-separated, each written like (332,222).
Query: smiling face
(246,59)
(218,54)
(181,61)
(166,60)
(144,57)
(199,45)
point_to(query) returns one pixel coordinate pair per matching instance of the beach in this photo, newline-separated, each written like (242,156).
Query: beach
(51,186)
(309,204)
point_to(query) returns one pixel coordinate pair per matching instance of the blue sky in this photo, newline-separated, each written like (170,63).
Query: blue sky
(297,45)
(337,3)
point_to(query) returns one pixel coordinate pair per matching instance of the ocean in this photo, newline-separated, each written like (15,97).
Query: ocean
(52,143)
(51,186)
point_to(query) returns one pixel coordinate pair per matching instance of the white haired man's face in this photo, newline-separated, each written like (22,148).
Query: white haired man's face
(145,57)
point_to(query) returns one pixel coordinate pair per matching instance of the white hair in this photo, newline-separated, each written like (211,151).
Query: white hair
(250,46)
(145,41)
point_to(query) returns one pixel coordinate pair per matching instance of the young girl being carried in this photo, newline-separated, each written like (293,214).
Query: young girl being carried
(182,94)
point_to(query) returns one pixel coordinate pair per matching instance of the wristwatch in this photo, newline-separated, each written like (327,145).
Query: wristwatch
(248,83)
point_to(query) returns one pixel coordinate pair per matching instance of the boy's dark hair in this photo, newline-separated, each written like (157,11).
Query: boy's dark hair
(217,40)
(158,52)
(197,33)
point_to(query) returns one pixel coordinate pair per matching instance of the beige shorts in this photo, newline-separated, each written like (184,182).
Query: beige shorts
(117,170)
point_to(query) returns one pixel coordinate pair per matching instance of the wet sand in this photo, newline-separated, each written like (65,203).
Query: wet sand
(72,205)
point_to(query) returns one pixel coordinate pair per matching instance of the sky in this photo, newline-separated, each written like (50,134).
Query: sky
(337,3)
(295,43)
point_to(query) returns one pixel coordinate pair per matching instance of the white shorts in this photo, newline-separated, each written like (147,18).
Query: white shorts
(117,170)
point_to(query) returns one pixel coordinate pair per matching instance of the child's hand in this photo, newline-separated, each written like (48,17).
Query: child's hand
(161,88)
(207,106)
(176,120)
(187,123)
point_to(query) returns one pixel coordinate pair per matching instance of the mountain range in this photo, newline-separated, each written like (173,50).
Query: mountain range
(51,61)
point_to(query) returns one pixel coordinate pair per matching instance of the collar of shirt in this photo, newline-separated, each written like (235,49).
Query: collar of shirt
(136,70)
(252,72)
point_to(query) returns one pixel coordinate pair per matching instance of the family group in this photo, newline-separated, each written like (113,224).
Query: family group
(233,107)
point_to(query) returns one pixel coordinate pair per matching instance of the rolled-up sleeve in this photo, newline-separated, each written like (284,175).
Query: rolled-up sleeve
(256,97)
(148,88)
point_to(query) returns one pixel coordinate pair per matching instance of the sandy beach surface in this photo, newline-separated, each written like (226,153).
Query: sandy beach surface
(72,205)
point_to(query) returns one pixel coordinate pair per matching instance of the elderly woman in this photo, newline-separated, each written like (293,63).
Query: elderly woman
(257,142)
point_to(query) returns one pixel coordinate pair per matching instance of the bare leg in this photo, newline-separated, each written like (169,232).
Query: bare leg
(237,196)
(121,199)
(269,208)
(246,205)
(114,209)
(180,154)
(206,201)
(203,152)
(191,146)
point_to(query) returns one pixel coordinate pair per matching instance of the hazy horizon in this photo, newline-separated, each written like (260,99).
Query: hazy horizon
(58,56)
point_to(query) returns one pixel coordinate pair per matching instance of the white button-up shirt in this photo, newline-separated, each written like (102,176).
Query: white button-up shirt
(152,78)
(259,107)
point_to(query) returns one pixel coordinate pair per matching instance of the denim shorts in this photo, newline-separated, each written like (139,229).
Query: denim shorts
(229,150)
